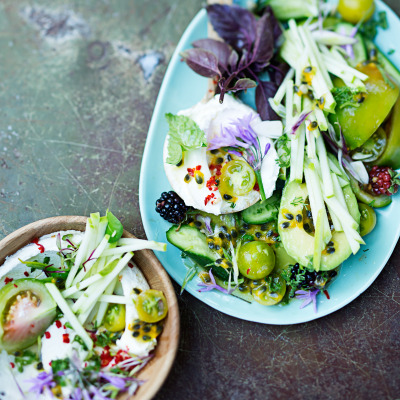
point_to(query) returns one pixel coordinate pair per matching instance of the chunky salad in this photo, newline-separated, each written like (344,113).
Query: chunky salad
(78,318)
(267,204)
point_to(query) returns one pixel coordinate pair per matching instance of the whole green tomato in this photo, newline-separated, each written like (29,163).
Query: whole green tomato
(256,260)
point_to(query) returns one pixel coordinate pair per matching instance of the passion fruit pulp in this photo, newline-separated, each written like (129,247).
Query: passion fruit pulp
(26,311)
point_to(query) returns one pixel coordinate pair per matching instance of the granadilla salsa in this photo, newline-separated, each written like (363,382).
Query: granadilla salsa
(78,318)
(268,202)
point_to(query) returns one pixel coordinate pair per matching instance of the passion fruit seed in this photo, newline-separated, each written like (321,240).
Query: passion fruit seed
(146,331)
(299,217)
(289,216)
(285,225)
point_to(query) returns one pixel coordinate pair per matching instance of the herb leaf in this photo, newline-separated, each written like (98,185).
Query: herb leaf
(370,28)
(204,62)
(186,134)
(248,50)
(114,228)
(345,96)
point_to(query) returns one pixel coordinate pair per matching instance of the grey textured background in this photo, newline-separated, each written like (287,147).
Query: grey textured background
(78,83)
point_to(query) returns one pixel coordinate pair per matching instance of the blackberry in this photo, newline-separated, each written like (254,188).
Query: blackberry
(171,207)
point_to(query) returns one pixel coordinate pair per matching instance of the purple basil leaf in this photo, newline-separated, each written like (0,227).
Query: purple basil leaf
(243,84)
(263,48)
(234,24)
(221,50)
(264,91)
(276,29)
(202,62)
(233,60)
(277,72)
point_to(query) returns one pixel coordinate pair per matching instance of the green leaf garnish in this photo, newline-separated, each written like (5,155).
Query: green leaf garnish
(184,135)
(114,228)
(346,96)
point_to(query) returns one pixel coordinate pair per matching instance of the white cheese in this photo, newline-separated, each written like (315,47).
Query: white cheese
(132,278)
(55,348)
(210,117)
(12,268)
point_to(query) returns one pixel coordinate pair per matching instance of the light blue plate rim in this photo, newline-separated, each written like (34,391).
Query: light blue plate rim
(357,273)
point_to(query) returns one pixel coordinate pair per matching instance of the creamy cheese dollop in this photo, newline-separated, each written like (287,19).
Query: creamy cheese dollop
(132,278)
(211,116)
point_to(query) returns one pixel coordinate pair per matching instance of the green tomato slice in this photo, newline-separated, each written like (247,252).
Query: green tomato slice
(237,178)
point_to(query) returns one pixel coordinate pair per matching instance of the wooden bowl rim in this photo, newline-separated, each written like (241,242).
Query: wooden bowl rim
(153,384)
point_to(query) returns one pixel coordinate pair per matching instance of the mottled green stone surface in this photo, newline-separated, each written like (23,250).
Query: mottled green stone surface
(78,82)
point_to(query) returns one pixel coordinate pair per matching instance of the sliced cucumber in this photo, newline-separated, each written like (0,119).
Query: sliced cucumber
(373,51)
(359,48)
(192,242)
(246,296)
(263,212)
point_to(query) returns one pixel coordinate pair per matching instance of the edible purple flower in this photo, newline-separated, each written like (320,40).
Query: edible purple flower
(300,120)
(206,287)
(309,296)
(240,139)
(207,222)
(40,382)
(267,147)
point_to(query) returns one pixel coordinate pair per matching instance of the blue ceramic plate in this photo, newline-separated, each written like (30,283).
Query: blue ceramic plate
(181,89)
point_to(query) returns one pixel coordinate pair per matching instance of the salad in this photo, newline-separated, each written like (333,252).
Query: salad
(78,318)
(268,201)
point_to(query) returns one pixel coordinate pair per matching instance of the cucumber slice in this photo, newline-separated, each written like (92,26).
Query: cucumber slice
(263,212)
(246,296)
(382,60)
(193,243)
(359,48)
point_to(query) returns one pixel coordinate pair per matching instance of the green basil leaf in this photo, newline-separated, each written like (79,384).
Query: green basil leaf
(114,228)
(174,153)
(185,134)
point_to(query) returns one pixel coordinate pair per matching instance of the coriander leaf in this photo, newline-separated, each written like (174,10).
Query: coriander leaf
(369,29)
(202,61)
(345,96)
(186,134)
(114,228)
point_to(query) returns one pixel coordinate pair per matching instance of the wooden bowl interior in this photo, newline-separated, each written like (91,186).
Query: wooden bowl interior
(155,373)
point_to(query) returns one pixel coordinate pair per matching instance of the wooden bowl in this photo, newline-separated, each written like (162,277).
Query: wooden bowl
(156,371)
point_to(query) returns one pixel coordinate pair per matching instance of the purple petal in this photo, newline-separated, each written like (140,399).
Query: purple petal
(299,121)
(267,147)
(116,381)
(236,153)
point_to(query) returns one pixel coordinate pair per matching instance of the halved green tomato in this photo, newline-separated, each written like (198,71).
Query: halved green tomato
(368,219)
(270,291)
(237,178)
(373,148)
(115,318)
(151,306)
(368,198)
(359,123)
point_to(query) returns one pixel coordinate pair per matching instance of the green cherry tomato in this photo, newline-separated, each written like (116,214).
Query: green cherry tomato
(368,219)
(151,306)
(355,11)
(269,291)
(237,178)
(115,318)
(256,260)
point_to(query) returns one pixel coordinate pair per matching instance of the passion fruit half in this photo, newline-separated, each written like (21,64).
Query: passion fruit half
(26,311)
